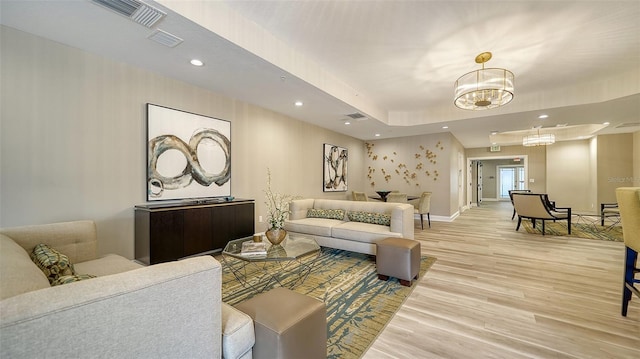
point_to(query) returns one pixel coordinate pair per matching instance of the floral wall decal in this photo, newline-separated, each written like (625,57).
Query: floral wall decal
(422,169)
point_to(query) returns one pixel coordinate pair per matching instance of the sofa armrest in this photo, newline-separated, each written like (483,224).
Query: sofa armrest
(77,240)
(166,310)
(402,220)
(298,208)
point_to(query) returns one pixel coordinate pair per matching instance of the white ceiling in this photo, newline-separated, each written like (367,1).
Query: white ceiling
(393,61)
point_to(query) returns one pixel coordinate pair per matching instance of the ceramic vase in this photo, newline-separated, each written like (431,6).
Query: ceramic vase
(275,235)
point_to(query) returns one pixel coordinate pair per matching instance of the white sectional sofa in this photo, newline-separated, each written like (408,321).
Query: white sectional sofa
(168,310)
(351,232)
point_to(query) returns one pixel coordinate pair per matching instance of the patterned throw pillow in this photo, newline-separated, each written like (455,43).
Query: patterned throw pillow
(325,213)
(65,279)
(369,217)
(53,263)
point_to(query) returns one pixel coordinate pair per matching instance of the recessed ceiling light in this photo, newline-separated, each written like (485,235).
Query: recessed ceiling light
(298,103)
(606,123)
(543,116)
(494,132)
(377,135)
(196,62)
(347,123)
(445,127)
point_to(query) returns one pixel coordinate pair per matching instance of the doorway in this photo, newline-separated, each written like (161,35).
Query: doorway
(488,187)
(509,178)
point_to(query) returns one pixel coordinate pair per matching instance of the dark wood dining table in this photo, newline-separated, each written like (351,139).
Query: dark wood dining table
(384,199)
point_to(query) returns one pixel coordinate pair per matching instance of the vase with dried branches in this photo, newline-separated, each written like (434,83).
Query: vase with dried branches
(277,212)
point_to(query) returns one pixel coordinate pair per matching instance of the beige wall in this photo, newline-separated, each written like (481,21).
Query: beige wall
(615,165)
(568,170)
(73,129)
(636,159)
(593,175)
(413,165)
(457,165)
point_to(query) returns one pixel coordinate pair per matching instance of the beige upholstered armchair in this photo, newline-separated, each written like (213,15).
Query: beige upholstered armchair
(536,206)
(511,192)
(629,205)
(424,207)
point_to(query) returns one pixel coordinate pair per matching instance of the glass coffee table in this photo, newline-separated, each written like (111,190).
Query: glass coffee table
(287,264)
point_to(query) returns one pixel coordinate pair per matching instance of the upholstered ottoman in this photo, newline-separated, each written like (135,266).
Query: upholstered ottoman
(287,325)
(399,258)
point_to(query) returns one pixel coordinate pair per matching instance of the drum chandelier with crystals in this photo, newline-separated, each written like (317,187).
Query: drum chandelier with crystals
(485,88)
(538,139)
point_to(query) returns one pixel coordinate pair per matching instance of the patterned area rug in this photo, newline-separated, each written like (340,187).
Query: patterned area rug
(359,305)
(580,230)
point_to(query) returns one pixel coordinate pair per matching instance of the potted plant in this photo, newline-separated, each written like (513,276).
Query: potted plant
(277,212)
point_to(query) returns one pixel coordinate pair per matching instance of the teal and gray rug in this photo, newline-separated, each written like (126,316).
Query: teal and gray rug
(359,305)
(580,230)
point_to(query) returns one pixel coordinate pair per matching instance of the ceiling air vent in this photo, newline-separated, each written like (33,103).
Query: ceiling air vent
(356,116)
(628,124)
(165,38)
(137,11)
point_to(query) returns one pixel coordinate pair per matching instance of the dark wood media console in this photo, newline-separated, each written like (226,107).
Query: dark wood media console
(166,232)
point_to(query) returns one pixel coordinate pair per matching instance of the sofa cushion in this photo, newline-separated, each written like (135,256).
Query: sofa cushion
(314,226)
(370,217)
(66,279)
(109,264)
(325,213)
(52,263)
(19,273)
(362,232)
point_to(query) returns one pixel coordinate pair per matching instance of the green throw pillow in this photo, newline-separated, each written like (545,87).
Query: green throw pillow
(369,217)
(53,263)
(71,278)
(325,213)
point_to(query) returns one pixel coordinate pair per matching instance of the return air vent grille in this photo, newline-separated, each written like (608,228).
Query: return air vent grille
(137,11)
(165,38)
(356,116)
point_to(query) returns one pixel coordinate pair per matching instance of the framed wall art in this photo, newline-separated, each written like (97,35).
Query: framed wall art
(335,161)
(188,155)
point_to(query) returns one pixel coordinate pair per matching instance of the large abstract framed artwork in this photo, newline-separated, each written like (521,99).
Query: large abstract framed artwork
(189,155)
(335,160)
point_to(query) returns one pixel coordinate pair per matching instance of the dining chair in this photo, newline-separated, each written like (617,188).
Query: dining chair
(397,197)
(359,196)
(423,207)
(609,210)
(629,205)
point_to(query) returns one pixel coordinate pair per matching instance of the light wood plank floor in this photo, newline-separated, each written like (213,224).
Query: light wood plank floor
(497,293)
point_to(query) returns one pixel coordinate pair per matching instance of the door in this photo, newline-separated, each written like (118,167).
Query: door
(479,181)
(509,178)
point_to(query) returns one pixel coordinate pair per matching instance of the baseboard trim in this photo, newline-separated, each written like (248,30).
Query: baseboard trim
(440,218)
